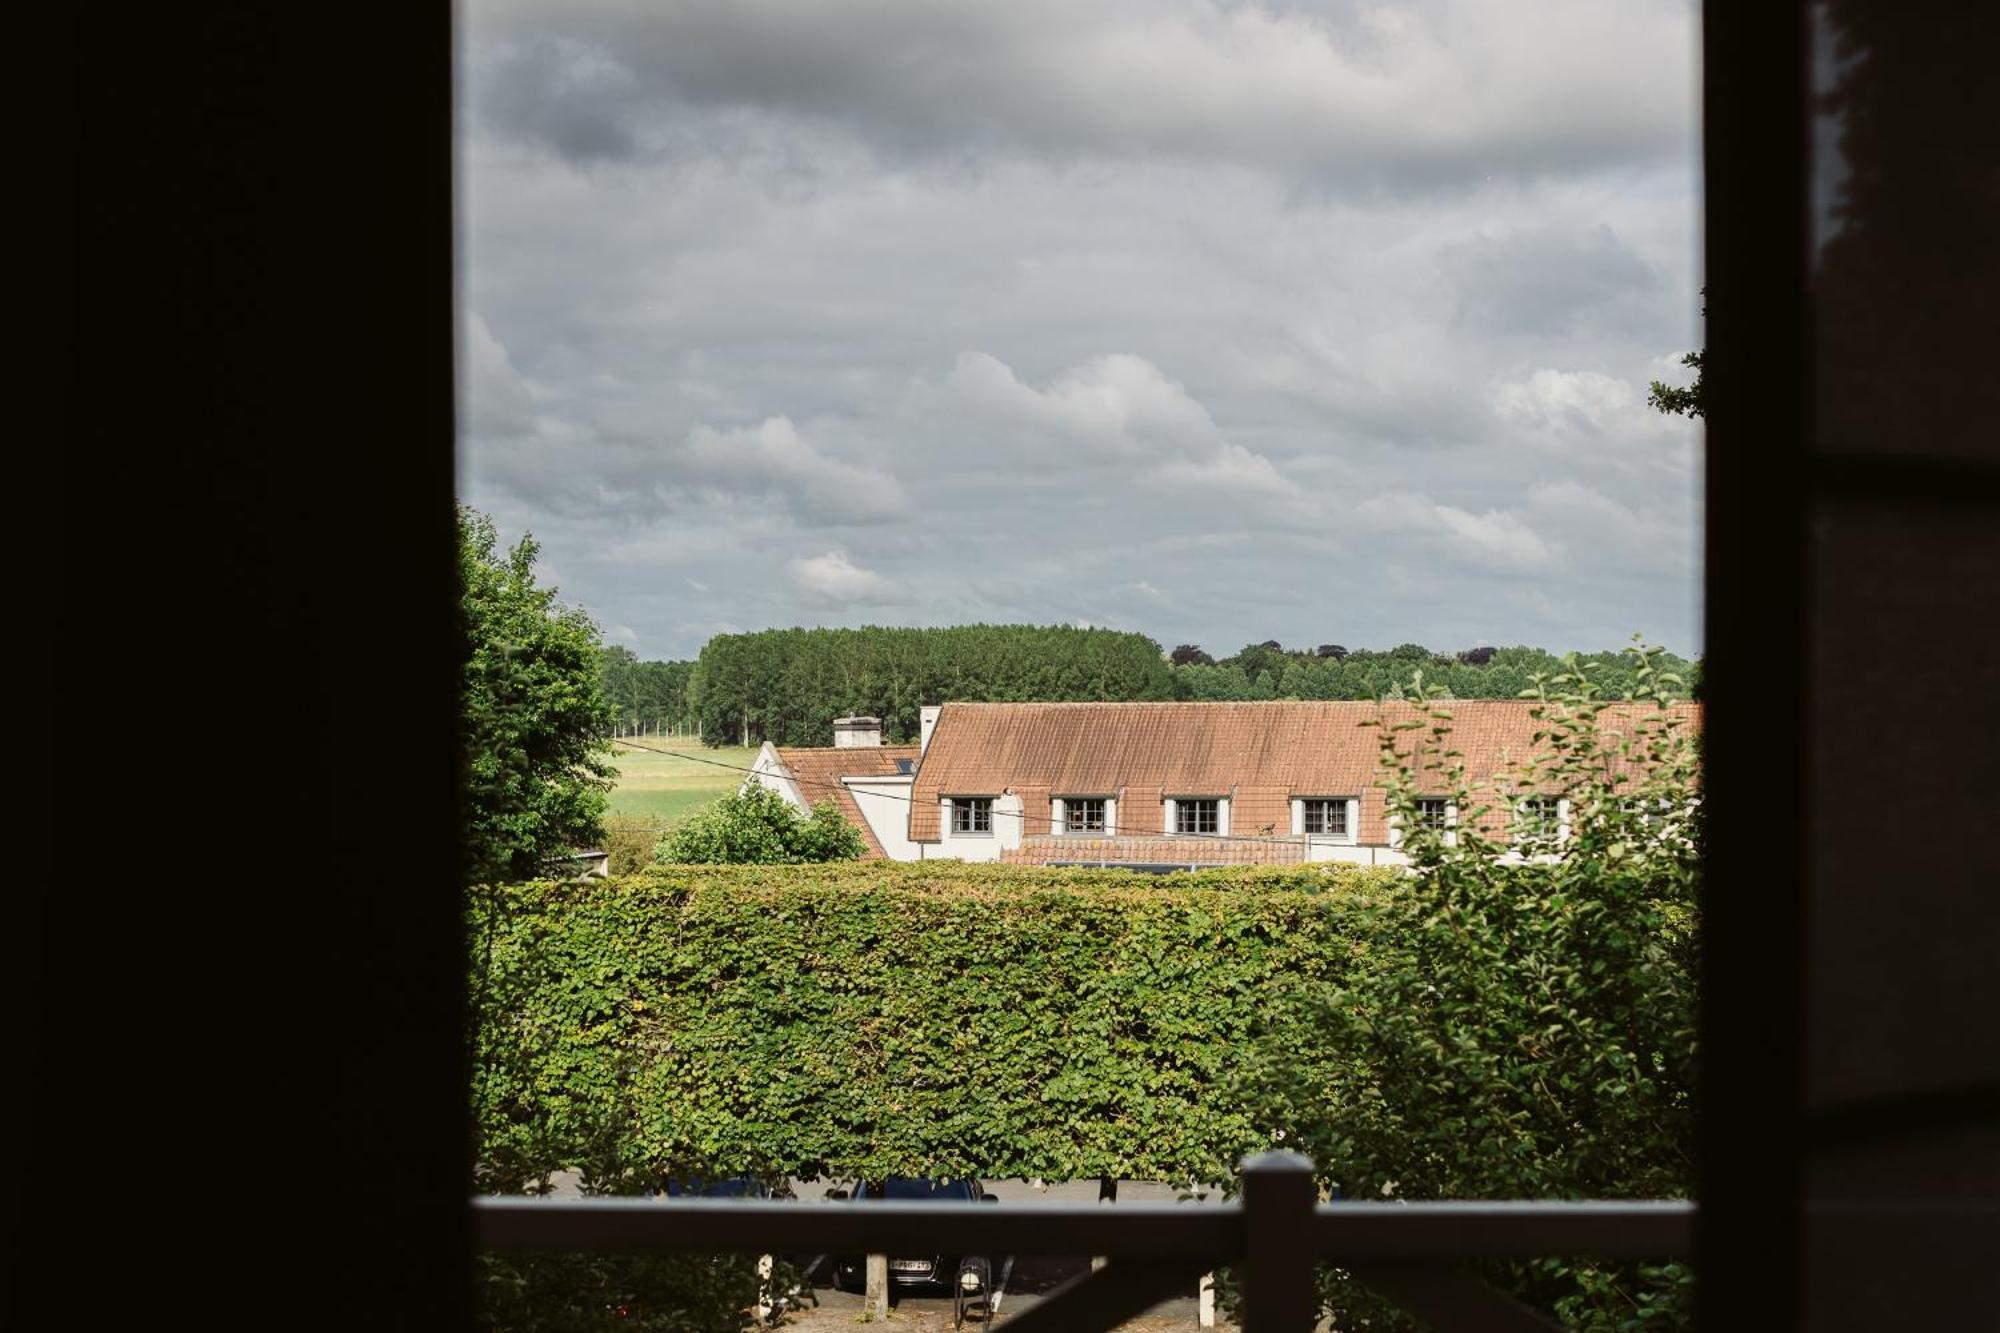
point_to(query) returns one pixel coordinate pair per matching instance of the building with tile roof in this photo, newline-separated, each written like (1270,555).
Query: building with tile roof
(868,780)
(1168,784)
(1156,785)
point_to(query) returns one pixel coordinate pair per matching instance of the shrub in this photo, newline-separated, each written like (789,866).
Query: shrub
(756,826)
(615,1293)
(867,1019)
(630,841)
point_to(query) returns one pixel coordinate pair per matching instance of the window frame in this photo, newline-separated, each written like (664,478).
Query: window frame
(1180,807)
(1350,818)
(974,807)
(1554,828)
(1103,803)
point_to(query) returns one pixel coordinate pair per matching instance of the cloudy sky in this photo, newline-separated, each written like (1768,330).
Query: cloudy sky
(1224,322)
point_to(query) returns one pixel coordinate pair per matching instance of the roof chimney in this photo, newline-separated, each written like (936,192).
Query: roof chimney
(927,717)
(856,732)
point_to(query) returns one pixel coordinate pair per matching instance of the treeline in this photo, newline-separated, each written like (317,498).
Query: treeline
(787,685)
(647,698)
(1331,671)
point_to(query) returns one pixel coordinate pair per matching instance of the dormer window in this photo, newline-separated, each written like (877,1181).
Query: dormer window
(1083,814)
(1198,817)
(1326,818)
(1434,812)
(1538,819)
(972,814)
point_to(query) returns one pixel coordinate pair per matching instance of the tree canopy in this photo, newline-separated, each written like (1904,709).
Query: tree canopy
(786,686)
(532,713)
(1677,401)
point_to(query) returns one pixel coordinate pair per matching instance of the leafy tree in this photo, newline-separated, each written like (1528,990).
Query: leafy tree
(1190,654)
(1333,650)
(1522,1024)
(756,826)
(1258,659)
(533,713)
(1677,401)
(1687,402)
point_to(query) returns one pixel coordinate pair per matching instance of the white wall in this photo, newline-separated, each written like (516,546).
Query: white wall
(885,804)
(769,771)
(1006,834)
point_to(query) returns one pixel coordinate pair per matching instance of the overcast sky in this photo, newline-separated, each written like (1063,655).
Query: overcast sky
(1323,322)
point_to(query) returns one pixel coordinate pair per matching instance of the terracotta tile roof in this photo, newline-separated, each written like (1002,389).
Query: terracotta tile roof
(1261,754)
(1049,850)
(818,771)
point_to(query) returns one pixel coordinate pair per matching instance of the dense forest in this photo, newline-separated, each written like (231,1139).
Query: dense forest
(1331,671)
(647,698)
(787,685)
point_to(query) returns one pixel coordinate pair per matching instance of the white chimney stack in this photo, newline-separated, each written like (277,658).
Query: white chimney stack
(927,721)
(856,732)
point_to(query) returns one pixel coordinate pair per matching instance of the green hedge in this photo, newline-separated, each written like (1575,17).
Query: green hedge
(867,1019)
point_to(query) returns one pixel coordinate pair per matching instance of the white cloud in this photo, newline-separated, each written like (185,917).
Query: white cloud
(773,459)
(833,578)
(1568,400)
(1501,537)
(1116,412)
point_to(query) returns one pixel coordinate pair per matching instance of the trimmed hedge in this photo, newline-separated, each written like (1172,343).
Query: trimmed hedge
(870,1019)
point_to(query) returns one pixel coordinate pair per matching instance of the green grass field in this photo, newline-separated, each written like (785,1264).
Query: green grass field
(664,788)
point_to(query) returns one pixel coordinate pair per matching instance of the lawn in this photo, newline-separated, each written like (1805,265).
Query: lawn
(665,787)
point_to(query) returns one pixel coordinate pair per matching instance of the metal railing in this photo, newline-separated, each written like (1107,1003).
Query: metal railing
(1276,1232)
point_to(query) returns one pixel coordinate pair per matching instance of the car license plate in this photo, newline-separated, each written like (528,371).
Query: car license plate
(910,1265)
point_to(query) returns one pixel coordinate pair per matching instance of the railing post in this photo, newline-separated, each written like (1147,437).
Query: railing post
(1279,1294)
(875,1288)
(1107,1192)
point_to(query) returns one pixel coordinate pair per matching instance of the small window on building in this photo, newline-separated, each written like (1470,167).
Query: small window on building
(1083,816)
(972,814)
(1538,819)
(906,766)
(1197,817)
(1434,812)
(1327,817)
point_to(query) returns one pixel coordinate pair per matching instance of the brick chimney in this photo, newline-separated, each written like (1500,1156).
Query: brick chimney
(856,732)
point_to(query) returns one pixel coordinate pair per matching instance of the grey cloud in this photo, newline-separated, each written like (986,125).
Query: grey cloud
(1548,281)
(570,97)
(1445,89)
(811,353)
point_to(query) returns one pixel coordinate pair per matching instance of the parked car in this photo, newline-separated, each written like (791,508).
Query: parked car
(780,1285)
(733,1187)
(918,1270)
